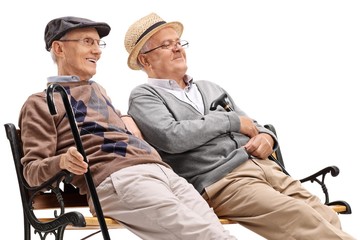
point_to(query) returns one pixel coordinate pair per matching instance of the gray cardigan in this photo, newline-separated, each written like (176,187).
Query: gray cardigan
(200,148)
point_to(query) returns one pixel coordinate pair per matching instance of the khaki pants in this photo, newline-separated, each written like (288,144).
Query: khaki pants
(155,203)
(262,198)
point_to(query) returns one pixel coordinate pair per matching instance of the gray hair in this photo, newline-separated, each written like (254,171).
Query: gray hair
(144,48)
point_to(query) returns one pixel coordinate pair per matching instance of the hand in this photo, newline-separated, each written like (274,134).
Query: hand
(131,126)
(73,161)
(248,127)
(260,146)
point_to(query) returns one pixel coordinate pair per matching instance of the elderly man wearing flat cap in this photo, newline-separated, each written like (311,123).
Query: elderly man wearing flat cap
(223,154)
(134,185)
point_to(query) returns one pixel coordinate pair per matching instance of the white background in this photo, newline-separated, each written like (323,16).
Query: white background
(290,63)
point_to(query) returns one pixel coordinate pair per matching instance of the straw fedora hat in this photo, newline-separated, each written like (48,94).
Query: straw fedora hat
(140,31)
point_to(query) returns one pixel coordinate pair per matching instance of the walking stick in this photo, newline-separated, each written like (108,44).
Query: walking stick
(75,131)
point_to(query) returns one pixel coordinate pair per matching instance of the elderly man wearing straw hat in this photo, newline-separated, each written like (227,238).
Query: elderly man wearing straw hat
(223,154)
(134,185)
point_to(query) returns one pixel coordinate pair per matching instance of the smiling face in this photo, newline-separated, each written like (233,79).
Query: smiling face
(76,57)
(164,62)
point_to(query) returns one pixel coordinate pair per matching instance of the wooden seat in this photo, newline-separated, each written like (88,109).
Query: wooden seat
(65,199)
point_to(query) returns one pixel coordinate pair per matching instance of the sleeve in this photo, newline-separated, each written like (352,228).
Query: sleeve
(260,128)
(180,131)
(39,138)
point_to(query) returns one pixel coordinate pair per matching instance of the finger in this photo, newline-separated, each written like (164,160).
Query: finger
(76,166)
(75,153)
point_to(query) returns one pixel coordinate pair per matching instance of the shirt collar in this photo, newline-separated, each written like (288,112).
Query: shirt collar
(63,79)
(171,84)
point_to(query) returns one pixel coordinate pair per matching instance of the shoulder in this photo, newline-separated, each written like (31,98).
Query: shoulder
(142,89)
(35,104)
(206,84)
(36,98)
(144,86)
(97,85)
(99,89)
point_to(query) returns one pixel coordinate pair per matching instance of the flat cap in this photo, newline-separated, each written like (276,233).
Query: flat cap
(57,28)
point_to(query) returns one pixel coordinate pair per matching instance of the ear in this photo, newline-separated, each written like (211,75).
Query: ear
(57,47)
(143,60)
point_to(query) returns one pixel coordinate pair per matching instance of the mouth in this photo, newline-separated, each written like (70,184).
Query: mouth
(179,58)
(92,60)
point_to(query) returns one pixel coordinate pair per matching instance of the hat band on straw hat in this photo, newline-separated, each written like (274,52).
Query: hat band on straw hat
(155,25)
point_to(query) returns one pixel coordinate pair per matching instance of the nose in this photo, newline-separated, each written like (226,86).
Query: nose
(96,49)
(176,46)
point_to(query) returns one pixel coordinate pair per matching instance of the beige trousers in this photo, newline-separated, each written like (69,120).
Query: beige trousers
(262,198)
(155,203)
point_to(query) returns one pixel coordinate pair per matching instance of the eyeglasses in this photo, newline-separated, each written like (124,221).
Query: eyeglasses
(170,45)
(87,42)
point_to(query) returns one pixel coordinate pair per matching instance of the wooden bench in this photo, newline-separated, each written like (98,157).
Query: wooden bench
(60,197)
(63,198)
